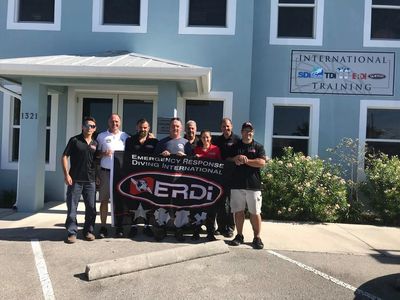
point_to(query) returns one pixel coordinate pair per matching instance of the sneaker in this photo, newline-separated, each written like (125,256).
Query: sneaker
(103,233)
(228,233)
(179,235)
(90,237)
(257,243)
(239,239)
(147,231)
(159,233)
(71,239)
(133,231)
(211,237)
(119,232)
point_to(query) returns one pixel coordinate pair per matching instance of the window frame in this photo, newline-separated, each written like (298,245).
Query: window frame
(318,25)
(362,132)
(230,28)
(312,103)
(6,147)
(97,20)
(13,23)
(225,97)
(368,42)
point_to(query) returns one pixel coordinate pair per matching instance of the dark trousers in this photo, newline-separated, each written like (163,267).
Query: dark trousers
(225,219)
(74,192)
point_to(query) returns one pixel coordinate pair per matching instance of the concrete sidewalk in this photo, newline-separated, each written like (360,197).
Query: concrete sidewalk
(290,236)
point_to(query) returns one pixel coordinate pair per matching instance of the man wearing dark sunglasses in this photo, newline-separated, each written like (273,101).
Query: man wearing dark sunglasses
(81,180)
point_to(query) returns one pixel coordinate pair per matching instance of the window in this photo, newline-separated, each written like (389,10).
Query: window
(207,111)
(382,23)
(12,127)
(294,123)
(120,16)
(207,17)
(34,14)
(296,22)
(198,109)
(382,127)
(379,128)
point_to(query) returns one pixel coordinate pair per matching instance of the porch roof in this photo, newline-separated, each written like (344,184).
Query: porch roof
(109,65)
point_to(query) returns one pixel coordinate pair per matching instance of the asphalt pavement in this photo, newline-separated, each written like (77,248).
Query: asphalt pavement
(299,261)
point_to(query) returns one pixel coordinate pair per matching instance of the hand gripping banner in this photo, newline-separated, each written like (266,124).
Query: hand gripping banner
(162,188)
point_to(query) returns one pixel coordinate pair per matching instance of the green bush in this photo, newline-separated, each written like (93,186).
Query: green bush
(296,187)
(382,186)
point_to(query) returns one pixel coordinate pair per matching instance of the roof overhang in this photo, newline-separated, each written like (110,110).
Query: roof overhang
(110,65)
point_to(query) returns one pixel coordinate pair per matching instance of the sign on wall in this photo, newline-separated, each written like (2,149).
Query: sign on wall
(342,72)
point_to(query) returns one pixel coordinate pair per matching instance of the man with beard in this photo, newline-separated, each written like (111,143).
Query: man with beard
(143,142)
(190,134)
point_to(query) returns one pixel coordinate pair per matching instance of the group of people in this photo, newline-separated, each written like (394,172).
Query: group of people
(82,173)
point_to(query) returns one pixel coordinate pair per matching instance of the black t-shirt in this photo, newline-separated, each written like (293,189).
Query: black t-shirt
(82,156)
(225,145)
(244,176)
(196,142)
(133,144)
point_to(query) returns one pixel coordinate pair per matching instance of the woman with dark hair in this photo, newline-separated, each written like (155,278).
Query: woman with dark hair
(210,151)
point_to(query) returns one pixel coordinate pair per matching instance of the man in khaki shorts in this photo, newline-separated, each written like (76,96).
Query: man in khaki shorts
(249,157)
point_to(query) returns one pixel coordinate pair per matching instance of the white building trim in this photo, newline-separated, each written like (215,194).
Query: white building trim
(318,27)
(13,23)
(368,42)
(228,30)
(312,103)
(97,19)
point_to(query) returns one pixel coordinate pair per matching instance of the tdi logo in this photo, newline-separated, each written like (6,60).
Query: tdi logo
(173,190)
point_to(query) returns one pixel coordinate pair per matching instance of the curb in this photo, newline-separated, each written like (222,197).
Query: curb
(140,262)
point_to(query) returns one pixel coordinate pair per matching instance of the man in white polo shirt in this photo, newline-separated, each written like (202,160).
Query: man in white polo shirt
(108,141)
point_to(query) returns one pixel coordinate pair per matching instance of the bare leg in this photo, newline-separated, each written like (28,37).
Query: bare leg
(103,212)
(239,221)
(255,221)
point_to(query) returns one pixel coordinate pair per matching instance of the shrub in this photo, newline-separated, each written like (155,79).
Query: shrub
(296,187)
(382,186)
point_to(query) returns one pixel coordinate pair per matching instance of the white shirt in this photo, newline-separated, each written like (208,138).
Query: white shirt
(110,141)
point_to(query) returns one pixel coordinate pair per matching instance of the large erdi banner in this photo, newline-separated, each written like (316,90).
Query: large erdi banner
(174,191)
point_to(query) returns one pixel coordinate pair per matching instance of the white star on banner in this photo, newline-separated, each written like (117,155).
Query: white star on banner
(140,212)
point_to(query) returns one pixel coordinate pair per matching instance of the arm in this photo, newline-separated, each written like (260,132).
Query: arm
(64,164)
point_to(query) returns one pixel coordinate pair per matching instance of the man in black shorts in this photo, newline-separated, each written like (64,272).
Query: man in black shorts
(81,180)
(249,157)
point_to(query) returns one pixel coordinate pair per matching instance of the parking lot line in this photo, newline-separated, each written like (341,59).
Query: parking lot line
(41,268)
(326,276)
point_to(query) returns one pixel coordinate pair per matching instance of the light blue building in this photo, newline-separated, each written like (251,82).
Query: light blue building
(305,72)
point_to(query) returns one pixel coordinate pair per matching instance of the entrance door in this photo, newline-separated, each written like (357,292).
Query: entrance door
(131,108)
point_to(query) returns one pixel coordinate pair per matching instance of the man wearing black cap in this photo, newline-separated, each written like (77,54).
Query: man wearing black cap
(249,157)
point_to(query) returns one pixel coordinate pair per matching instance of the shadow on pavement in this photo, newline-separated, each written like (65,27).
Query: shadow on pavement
(387,256)
(385,287)
(29,233)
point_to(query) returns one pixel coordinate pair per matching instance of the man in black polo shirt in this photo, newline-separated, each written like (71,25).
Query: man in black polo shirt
(143,142)
(80,180)
(225,141)
(249,157)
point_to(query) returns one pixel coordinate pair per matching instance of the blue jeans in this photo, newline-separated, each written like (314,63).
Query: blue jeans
(74,192)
